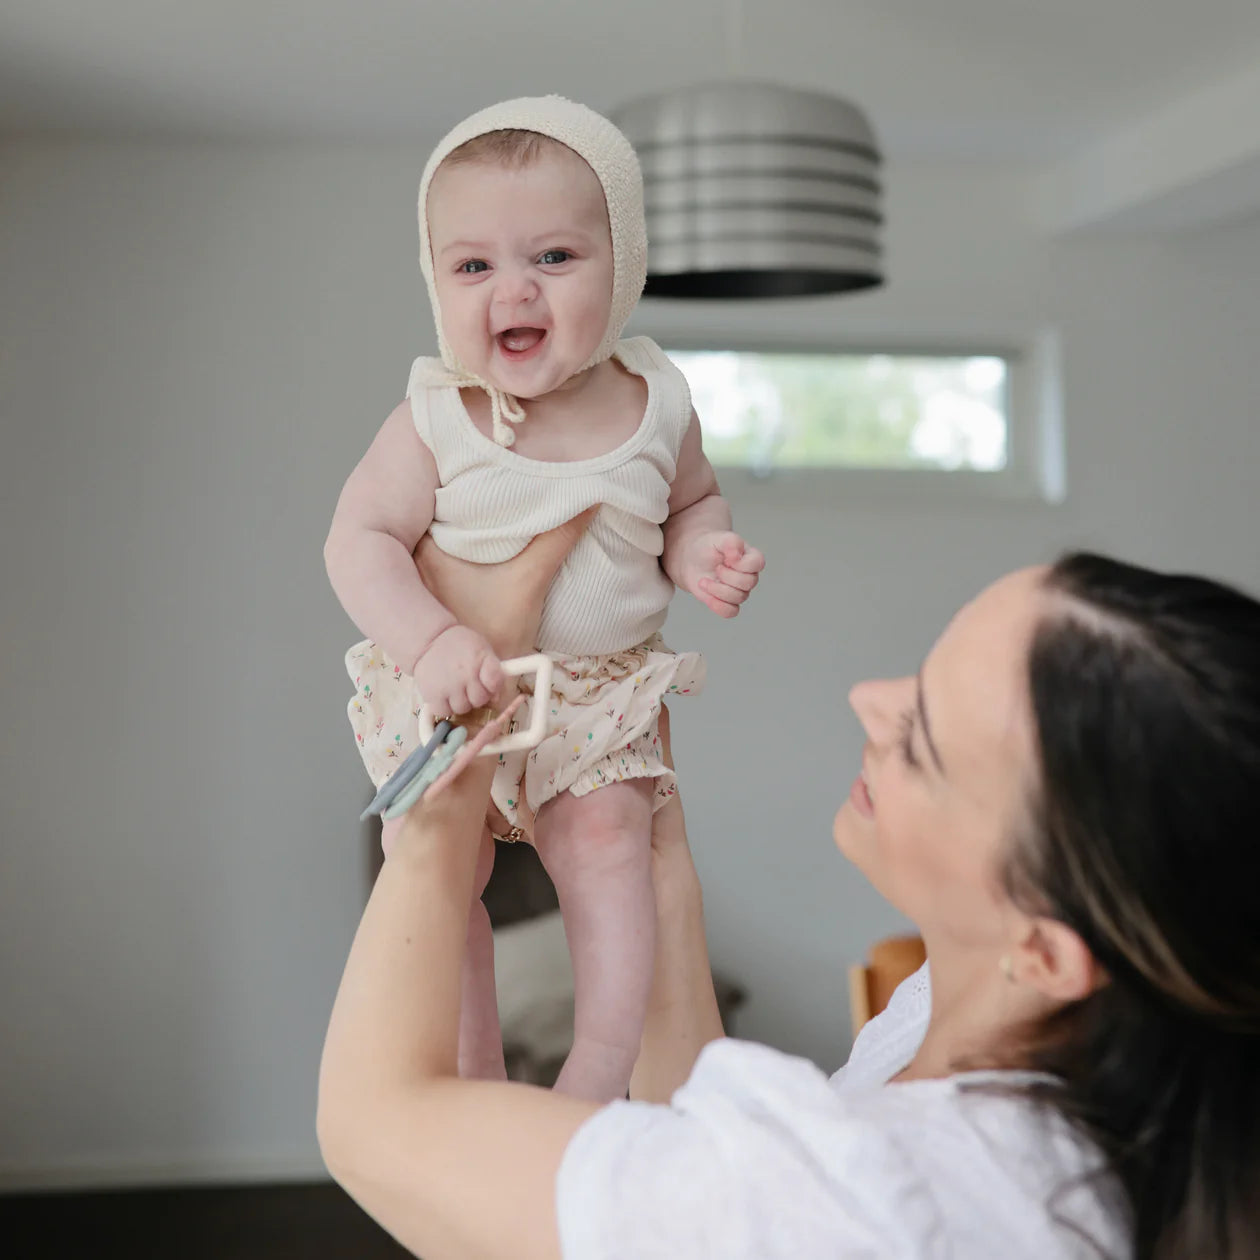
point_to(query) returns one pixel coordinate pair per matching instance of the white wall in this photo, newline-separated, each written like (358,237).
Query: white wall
(195,345)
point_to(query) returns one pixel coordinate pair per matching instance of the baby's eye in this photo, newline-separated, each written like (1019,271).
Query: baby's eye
(473,267)
(551,257)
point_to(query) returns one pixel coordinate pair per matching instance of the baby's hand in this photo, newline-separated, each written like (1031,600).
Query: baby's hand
(720,569)
(459,672)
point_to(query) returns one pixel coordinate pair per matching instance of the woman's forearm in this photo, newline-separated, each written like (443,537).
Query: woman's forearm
(682,1016)
(451,1168)
(395,1021)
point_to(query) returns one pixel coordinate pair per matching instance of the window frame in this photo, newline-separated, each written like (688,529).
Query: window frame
(1035,463)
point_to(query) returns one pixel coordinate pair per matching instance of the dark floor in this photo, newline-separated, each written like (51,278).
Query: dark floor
(299,1222)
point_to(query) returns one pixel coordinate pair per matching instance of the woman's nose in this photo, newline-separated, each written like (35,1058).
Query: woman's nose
(878,704)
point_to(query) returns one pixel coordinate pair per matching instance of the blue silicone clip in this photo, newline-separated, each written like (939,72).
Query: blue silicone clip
(433,756)
(443,740)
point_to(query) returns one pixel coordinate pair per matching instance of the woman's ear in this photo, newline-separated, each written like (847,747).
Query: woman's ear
(1053,959)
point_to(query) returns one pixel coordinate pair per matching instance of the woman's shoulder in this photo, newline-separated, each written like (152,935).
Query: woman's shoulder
(746,1160)
(757,1138)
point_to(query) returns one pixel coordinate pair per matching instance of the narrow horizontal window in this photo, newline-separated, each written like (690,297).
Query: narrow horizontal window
(769,410)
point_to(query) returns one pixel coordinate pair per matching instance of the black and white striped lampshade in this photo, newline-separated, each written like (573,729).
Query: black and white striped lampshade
(756,190)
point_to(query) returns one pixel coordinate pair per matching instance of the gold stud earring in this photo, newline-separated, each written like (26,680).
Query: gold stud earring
(1007,968)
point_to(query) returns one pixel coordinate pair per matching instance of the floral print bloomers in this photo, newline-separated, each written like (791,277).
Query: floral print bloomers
(602,728)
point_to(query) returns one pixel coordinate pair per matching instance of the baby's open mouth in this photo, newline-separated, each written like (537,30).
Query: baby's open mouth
(519,340)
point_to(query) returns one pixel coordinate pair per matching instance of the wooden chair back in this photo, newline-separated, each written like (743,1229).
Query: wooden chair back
(888,963)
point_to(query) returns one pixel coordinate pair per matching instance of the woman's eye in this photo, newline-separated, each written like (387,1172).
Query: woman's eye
(905,740)
(551,257)
(473,267)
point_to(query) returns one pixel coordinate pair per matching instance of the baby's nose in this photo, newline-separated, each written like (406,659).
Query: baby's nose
(515,287)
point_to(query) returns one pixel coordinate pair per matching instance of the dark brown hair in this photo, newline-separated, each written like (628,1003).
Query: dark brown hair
(1145,839)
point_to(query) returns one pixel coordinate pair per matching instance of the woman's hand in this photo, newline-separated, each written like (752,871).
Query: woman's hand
(503,602)
(500,604)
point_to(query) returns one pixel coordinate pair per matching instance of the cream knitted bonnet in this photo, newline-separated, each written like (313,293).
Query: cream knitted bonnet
(609,154)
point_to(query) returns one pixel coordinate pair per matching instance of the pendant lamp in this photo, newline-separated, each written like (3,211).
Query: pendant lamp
(756,190)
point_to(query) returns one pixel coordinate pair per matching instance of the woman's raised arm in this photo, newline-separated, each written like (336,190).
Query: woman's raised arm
(451,1168)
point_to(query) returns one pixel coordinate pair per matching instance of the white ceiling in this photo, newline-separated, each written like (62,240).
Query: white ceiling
(1039,82)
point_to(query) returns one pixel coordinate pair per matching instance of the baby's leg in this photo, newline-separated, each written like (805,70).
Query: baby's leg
(597,849)
(480,1038)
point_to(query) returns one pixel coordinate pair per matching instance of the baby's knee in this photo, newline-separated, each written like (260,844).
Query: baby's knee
(618,810)
(610,828)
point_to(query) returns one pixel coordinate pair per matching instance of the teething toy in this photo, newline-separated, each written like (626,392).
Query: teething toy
(438,760)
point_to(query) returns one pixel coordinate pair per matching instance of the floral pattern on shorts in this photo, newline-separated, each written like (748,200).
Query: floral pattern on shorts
(602,725)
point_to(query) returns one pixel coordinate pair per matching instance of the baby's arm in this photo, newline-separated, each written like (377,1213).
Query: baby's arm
(702,554)
(385,508)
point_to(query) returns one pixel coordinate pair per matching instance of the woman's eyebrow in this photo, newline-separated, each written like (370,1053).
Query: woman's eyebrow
(923,717)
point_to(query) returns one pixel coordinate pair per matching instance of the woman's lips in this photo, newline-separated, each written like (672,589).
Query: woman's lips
(860,795)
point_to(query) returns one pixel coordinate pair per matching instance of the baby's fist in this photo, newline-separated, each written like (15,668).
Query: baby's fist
(720,569)
(459,672)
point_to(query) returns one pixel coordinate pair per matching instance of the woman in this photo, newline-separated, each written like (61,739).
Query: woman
(1063,800)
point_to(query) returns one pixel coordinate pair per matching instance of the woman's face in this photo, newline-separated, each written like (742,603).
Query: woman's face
(946,772)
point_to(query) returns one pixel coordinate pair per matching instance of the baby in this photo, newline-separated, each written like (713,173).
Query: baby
(533,246)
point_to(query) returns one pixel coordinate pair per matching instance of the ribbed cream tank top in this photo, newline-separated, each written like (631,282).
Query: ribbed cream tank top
(611,593)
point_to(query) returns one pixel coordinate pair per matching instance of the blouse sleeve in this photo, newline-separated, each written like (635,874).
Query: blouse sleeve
(753,1157)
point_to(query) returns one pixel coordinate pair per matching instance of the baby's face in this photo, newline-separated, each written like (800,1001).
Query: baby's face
(523,268)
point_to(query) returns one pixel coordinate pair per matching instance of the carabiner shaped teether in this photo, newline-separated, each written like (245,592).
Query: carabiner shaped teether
(541,667)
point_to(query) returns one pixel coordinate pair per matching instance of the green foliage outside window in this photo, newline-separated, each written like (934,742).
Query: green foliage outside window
(867,411)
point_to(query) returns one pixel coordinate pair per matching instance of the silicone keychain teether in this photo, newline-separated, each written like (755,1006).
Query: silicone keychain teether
(541,667)
(437,757)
